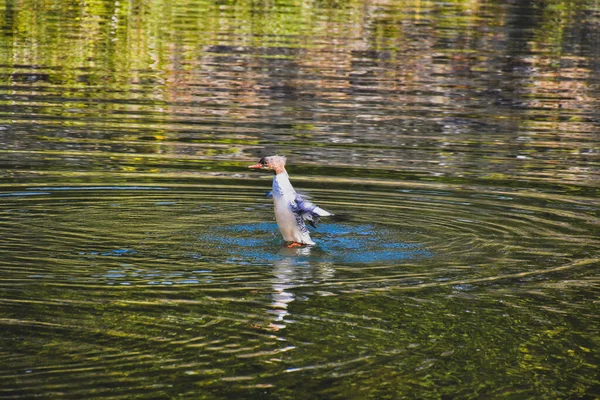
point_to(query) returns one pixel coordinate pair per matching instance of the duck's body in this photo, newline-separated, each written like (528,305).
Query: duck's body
(291,225)
(292,211)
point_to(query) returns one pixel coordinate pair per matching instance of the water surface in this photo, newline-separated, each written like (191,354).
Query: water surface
(457,144)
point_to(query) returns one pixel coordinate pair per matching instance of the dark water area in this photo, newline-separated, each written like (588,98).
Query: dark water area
(457,144)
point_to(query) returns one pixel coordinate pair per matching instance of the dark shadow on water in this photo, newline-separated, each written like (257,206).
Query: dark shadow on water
(339,243)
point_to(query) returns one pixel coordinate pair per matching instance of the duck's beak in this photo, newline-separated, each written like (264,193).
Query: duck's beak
(255,166)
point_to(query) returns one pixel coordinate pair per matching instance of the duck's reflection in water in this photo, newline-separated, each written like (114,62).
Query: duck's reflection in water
(293,269)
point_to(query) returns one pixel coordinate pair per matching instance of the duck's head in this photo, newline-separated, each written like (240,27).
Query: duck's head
(272,163)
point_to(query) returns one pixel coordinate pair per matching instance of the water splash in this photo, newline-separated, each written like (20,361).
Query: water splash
(340,243)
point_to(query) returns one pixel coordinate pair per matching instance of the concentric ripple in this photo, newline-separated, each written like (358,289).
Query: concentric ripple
(443,234)
(194,280)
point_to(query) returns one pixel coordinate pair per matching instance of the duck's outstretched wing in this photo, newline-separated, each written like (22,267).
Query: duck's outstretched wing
(309,212)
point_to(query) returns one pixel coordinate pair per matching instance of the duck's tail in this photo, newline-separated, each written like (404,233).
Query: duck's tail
(320,212)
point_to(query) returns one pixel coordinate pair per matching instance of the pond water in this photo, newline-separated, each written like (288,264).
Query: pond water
(457,143)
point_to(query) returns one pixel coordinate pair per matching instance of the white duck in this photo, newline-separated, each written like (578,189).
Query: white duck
(291,210)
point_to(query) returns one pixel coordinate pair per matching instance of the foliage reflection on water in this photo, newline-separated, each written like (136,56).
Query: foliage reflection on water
(435,90)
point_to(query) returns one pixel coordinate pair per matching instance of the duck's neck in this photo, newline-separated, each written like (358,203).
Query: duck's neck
(282,187)
(280,170)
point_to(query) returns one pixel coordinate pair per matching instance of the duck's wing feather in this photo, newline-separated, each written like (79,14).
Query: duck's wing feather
(309,212)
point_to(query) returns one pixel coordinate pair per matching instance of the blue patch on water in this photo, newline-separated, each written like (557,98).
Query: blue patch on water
(18,194)
(339,243)
(114,252)
(261,243)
